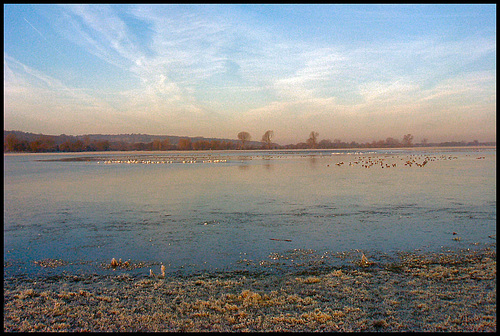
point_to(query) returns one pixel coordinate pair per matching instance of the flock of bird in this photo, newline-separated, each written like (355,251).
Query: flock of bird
(368,162)
(363,161)
(183,160)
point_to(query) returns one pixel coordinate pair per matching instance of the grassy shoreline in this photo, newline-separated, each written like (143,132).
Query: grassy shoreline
(451,291)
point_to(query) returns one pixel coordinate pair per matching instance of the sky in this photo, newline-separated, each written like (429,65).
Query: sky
(349,72)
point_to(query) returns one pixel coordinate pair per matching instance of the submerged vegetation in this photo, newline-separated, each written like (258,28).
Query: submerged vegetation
(451,291)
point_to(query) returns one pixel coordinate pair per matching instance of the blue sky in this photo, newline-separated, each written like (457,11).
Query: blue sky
(349,72)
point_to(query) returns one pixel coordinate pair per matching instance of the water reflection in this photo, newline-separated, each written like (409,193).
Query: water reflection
(209,213)
(244,166)
(244,162)
(312,161)
(268,164)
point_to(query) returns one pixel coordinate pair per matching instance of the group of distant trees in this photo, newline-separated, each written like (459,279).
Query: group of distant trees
(187,144)
(48,144)
(266,140)
(313,143)
(407,141)
(63,143)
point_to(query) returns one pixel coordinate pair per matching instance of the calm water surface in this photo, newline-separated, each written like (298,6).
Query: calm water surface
(242,209)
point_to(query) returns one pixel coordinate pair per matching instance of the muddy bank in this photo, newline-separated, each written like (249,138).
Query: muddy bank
(452,291)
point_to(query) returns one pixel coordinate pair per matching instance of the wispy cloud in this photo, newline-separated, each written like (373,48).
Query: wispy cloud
(412,82)
(35,29)
(19,74)
(27,89)
(99,31)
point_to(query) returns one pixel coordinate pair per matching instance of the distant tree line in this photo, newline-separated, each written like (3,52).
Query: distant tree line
(45,144)
(15,142)
(313,142)
(407,141)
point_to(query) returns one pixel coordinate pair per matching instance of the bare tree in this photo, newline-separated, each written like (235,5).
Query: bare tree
(312,142)
(244,137)
(407,140)
(391,142)
(266,138)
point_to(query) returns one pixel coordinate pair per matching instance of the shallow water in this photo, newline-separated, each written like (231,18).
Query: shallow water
(242,209)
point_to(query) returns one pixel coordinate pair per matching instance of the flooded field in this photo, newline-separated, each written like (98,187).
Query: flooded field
(243,234)
(224,210)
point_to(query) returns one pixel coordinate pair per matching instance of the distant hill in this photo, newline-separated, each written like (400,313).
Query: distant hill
(126,138)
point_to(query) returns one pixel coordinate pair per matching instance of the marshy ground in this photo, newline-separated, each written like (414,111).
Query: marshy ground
(451,291)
